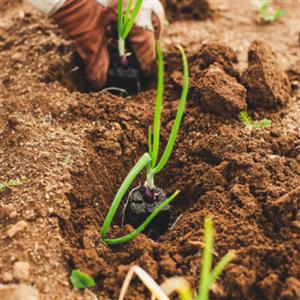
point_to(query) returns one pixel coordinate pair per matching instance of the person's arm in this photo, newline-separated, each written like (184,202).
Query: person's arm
(86,21)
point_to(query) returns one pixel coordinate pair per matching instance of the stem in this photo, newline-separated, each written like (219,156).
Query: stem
(207,256)
(122,50)
(158,105)
(179,115)
(139,166)
(141,228)
(150,180)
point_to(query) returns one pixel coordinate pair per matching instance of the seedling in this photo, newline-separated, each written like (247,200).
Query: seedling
(208,275)
(124,70)
(81,280)
(12,183)
(148,201)
(267,13)
(256,125)
(125,24)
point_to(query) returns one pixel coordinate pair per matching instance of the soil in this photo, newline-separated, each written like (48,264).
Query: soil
(76,148)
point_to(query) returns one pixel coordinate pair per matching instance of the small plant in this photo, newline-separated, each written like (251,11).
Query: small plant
(146,202)
(267,13)
(256,125)
(125,24)
(81,280)
(208,276)
(12,183)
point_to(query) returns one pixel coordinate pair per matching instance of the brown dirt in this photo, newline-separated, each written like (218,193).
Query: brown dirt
(248,181)
(187,9)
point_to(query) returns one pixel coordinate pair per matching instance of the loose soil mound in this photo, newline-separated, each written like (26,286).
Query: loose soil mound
(187,9)
(75,149)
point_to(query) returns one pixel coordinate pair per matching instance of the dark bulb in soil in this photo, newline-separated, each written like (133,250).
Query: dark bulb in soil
(124,74)
(124,62)
(141,203)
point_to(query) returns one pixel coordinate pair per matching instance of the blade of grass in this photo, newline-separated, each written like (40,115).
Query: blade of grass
(207,258)
(140,165)
(221,266)
(131,20)
(158,104)
(178,117)
(137,231)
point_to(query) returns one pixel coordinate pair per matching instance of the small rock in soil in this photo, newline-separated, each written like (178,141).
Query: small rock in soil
(215,52)
(18,292)
(18,227)
(267,84)
(220,93)
(21,270)
(7,277)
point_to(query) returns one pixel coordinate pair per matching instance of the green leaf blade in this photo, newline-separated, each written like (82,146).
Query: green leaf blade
(81,280)
(130,22)
(139,166)
(158,105)
(179,115)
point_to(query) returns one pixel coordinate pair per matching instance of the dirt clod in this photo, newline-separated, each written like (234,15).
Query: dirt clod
(215,52)
(220,93)
(18,292)
(187,9)
(18,227)
(267,84)
(21,270)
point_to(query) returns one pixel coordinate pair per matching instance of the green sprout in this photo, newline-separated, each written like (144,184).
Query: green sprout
(12,183)
(256,125)
(267,13)
(126,22)
(81,280)
(208,275)
(149,160)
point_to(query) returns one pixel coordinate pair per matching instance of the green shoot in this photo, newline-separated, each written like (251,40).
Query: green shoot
(80,280)
(146,161)
(135,171)
(256,125)
(207,259)
(12,183)
(157,117)
(209,276)
(267,13)
(179,284)
(126,22)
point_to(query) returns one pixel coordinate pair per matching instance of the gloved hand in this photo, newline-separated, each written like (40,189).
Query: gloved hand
(86,22)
